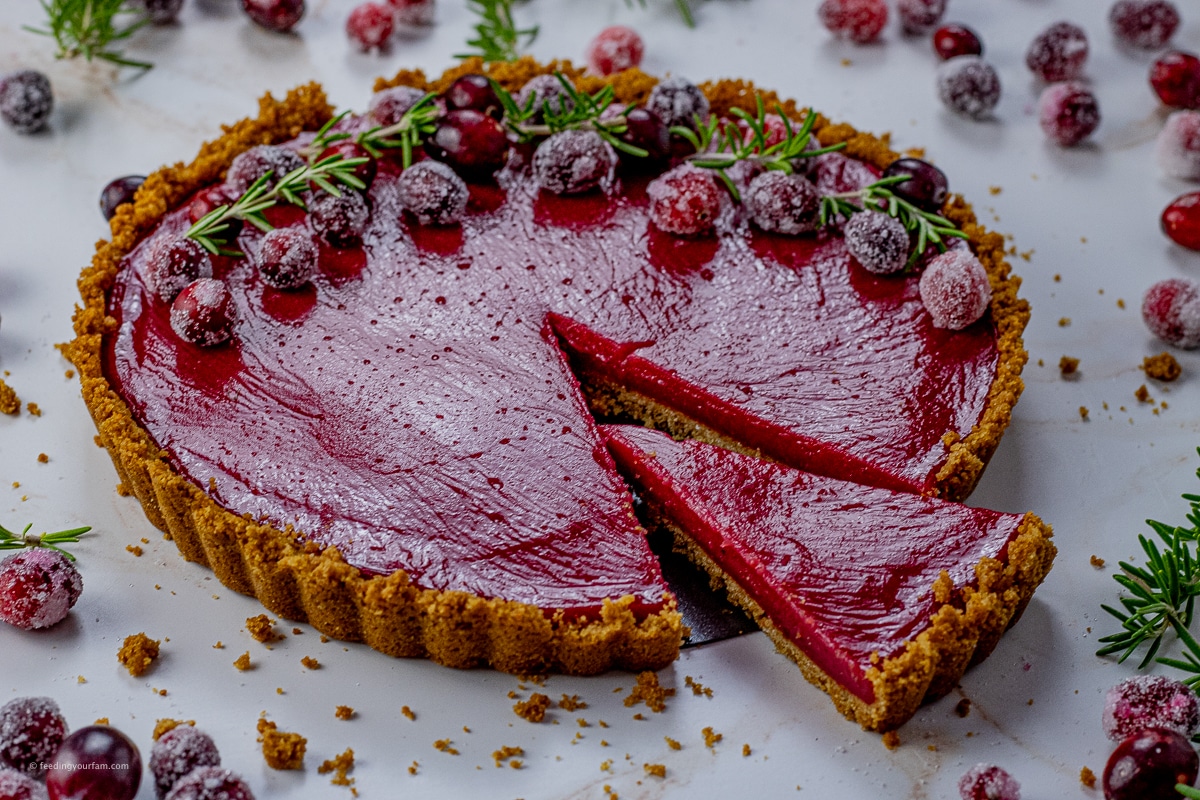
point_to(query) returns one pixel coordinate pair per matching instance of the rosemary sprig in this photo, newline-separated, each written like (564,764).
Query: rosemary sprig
(577,111)
(685,10)
(406,134)
(497,37)
(51,541)
(89,27)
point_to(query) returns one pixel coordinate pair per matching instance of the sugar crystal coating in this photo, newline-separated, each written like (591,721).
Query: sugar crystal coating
(1145,24)
(1149,701)
(173,264)
(179,751)
(879,242)
(204,313)
(1058,53)
(1171,310)
(782,203)
(545,91)
(1068,112)
(26,100)
(955,289)
(211,783)
(370,25)
(1177,148)
(339,219)
(287,257)
(258,161)
(968,85)
(31,730)
(919,16)
(684,201)
(572,162)
(16,785)
(37,588)
(988,782)
(614,49)
(678,101)
(389,105)
(860,21)
(434,193)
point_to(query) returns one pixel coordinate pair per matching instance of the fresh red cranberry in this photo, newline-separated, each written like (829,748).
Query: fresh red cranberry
(953,39)
(287,258)
(251,165)
(161,12)
(433,193)
(1058,53)
(860,21)
(16,785)
(615,49)
(781,203)
(470,141)
(179,751)
(37,588)
(678,102)
(1147,765)
(968,85)
(545,91)
(204,313)
(573,162)
(474,92)
(211,783)
(31,731)
(919,16)
(173,264)
(955,289)
(926,187)
(988,782)
(684,201)
(370,25)
(1145,24)
(1171,310)
(1068,112)
(388,106)
(1178,145)
(877,241)
(1181,220)
(274,15)
(413,12)
(1175,78)
(645,129)
(209,200)
(1149,701)
(340,219)
(95,763)
(26,100)
(347,149)
(118,192)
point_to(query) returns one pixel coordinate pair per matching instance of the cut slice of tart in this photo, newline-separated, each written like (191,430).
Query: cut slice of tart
(883,598)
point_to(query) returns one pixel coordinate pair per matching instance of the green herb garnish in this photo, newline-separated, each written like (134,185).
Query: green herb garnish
(576,111)
(685,10)
(88,28)
(497,37)
(51,541)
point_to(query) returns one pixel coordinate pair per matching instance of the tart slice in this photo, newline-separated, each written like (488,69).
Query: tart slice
(883,598)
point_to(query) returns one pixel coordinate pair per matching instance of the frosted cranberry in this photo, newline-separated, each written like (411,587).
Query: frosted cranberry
(347,148)
(161,12)
(1178,146)
(474,92)
(413,12)
(211,783)
(877,241)
(1175,77)
(389,105)
(118,192)
(275,15)
(544,91)
(1068,112)
(204,313)
(37,588)
(287,258)
(470,141)
(340,220)
(835,173)
(1058,53)
(616,48)
(1147,24)
(177,752)
(208,200)
(1149,701)
(926,187)
(968,85)
(1181,220)
(684,201)
(645,129)
(433,193)
(919,16)
(173,264)
(95,763)
(956,40)
(1171,310)
(1148,764)
(258,161)
(678,101)
(31,730)
(370,25)
(572,162)
(16,785)
(26,100)
(782,203)
(988,782)
(860,21)
(955,289)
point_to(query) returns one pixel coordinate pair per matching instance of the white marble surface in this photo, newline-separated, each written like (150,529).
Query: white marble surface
(1088,215)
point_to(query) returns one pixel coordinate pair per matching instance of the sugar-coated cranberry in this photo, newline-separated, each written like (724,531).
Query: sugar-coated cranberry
(968,85)
(413,12)
(955,289)
(877,241)
(645,129)
(433,193)
(26,100)
(470,141)
(574,161)
(208,200)
(161,12)
(389,105)
(1149,701)
(118,192)
(370,25)
(1178,146)
(1058,53)
(684,201)
(474,92)
(1171,310)
(834,173)
(211,783)
(1175,78)
(347,149)
(782,203)
(1146,24)
(678,101)
(614,49)
(173,264)
(339,219)
(919,16)
(542,92)
(1181,220)
(16,785)
(860,21)
(204,313)
(1068,112)
(179,751)
(31,731)
(95,763)
(287,258)
(926,187)
(953,39)
(1148,764)
(988,782)
(37,588)
(274,15)
(258,161)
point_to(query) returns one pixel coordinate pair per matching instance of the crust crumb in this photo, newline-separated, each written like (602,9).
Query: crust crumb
(43,458)
(133,548)
(444,746)
(9,402)
(243,662)
(1097,562)
(657,770)
(1162,367)
(649,692)
(533,709)
(673,743)
(1083,413)
(891,740)
(281,749)
(1143,394)
(33,409)
(1068,366)
(1087,777)
(137,653)
(963,707)
(101,721)
(711,737)
(311,663)
(262,629)
(746,750)
(168,724)
(571,703)
(408,712)
(341,765)
(345,713)
(412,768)
(506,753)
(700,689)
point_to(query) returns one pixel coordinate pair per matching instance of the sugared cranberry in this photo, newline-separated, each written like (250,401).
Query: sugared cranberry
(118,192)
(952,40)
(275,15)
(684,201)
(339,219)
(413,12)
(1178,146)
(968,85)
(877,241)
(16,785)
(919,16)
(433,193)
(988,782)
(179,751)
(678,101)
(1068,112)
(1149,701)
(1058,53)
(347,148)
(574,161)
(37,588)
(258,161)
(209,200)
(173,264)
(26,100)
(1181,220)
(1175,78)
(474,92)
(287,258)
(1171,310)
(31,731)
(389,105)
(370,25)
(616,48)
(782,203)
(926,187)
(470,141)
(955,289)
(542,92)
(1146,24)
(95,763)
(645,129)
(161,12)
(1148,764)
(211,783)
(860,21)
(204,313)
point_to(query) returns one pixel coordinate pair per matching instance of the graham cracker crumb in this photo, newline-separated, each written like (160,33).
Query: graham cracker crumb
(1064,322)
(672,743)
(408,712)
(444,746)
(657,770)
(1068,366)
(1143,394)
(262,629)
(963,707)
(505,753)
(1120,302)
(81,679)
(9,402)
(33,409)
(649,692)
(746,750)
(699,689)
(533,709)
(891,740)
(571,703)
(1162,367)
(133,548)
(243,662)
(345,712)
(138,653)
(1083,413)
(278,690)
(412,768)
(16,485)
(43,458)
(69,374)
(297,631)
(101,721)
(312,663)
(602,723)
(281,750)
(341,765)
(1087,777)
(167,724)
(219,646)
(711,737)
(639,716)
(123,490)
(1097,562)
